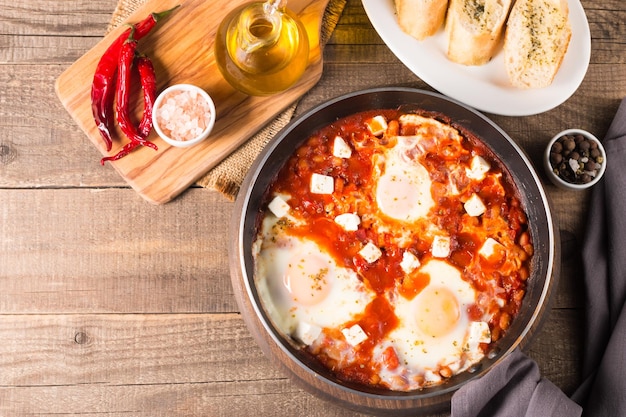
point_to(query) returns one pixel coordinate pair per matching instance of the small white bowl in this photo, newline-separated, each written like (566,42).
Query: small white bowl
(557,179)
(156,116)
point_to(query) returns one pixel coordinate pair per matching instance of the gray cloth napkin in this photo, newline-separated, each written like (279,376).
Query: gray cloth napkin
(515,387)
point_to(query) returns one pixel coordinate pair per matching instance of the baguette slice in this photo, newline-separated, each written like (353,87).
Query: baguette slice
(421,18)
(474,29)
(536,40)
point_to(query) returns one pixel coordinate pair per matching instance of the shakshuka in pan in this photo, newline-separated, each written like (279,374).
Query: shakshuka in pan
(393,247)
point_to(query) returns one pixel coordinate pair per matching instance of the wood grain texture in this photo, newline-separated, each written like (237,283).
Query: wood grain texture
(181,47)
(110,252)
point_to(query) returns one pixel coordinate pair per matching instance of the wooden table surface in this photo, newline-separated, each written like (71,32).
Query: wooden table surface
(112,306)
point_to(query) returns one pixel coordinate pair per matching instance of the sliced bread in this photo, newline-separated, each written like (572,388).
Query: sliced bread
(474,29)
(536,40)
(421,18)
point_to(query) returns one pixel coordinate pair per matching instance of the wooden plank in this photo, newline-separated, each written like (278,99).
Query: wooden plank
(129,349)
(275,398)
(53,18)
(558,349)
(81,251)
(197,363)
(220,399)
(41,50)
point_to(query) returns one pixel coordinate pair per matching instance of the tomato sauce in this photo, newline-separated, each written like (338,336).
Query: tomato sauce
(499,277)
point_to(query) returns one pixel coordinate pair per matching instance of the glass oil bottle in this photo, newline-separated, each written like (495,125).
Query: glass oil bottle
(262,48)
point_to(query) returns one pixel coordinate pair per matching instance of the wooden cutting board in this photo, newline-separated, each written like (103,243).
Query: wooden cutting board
(181,48)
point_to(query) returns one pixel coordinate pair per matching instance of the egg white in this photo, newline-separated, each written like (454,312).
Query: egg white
(421,345)
(299,282)
(403,184)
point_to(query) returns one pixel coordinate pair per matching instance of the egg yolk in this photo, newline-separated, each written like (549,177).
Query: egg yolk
(307,278)
(437,311)
(404,194)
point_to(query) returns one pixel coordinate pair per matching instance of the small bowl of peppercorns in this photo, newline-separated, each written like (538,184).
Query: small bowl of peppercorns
(575,159)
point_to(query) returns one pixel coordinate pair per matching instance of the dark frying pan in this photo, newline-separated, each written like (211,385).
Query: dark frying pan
(281,350)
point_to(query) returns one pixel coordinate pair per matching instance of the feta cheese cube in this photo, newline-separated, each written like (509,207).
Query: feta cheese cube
(377,125)
(488,249)
(341,148)
(409,262)
(279,207)
(322,184)
(307,333)
(453,189)
(411,119)
(354,335)
(478,333)
(370,252)
(454,367)
(478,168)
(430,376)
(441,247)
(474,206)
(349,221)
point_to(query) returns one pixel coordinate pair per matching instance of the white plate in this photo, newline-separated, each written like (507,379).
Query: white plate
(485,87)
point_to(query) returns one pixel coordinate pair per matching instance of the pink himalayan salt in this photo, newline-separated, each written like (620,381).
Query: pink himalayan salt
(183,115)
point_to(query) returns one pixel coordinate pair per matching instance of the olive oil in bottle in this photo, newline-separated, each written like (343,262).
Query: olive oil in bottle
(262,48)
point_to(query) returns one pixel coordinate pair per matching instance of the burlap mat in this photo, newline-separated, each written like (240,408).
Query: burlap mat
(228,175)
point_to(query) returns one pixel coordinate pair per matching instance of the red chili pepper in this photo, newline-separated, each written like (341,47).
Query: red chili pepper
(148,84)
(102,94)
(128,148)
(127,57)
(103,86)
